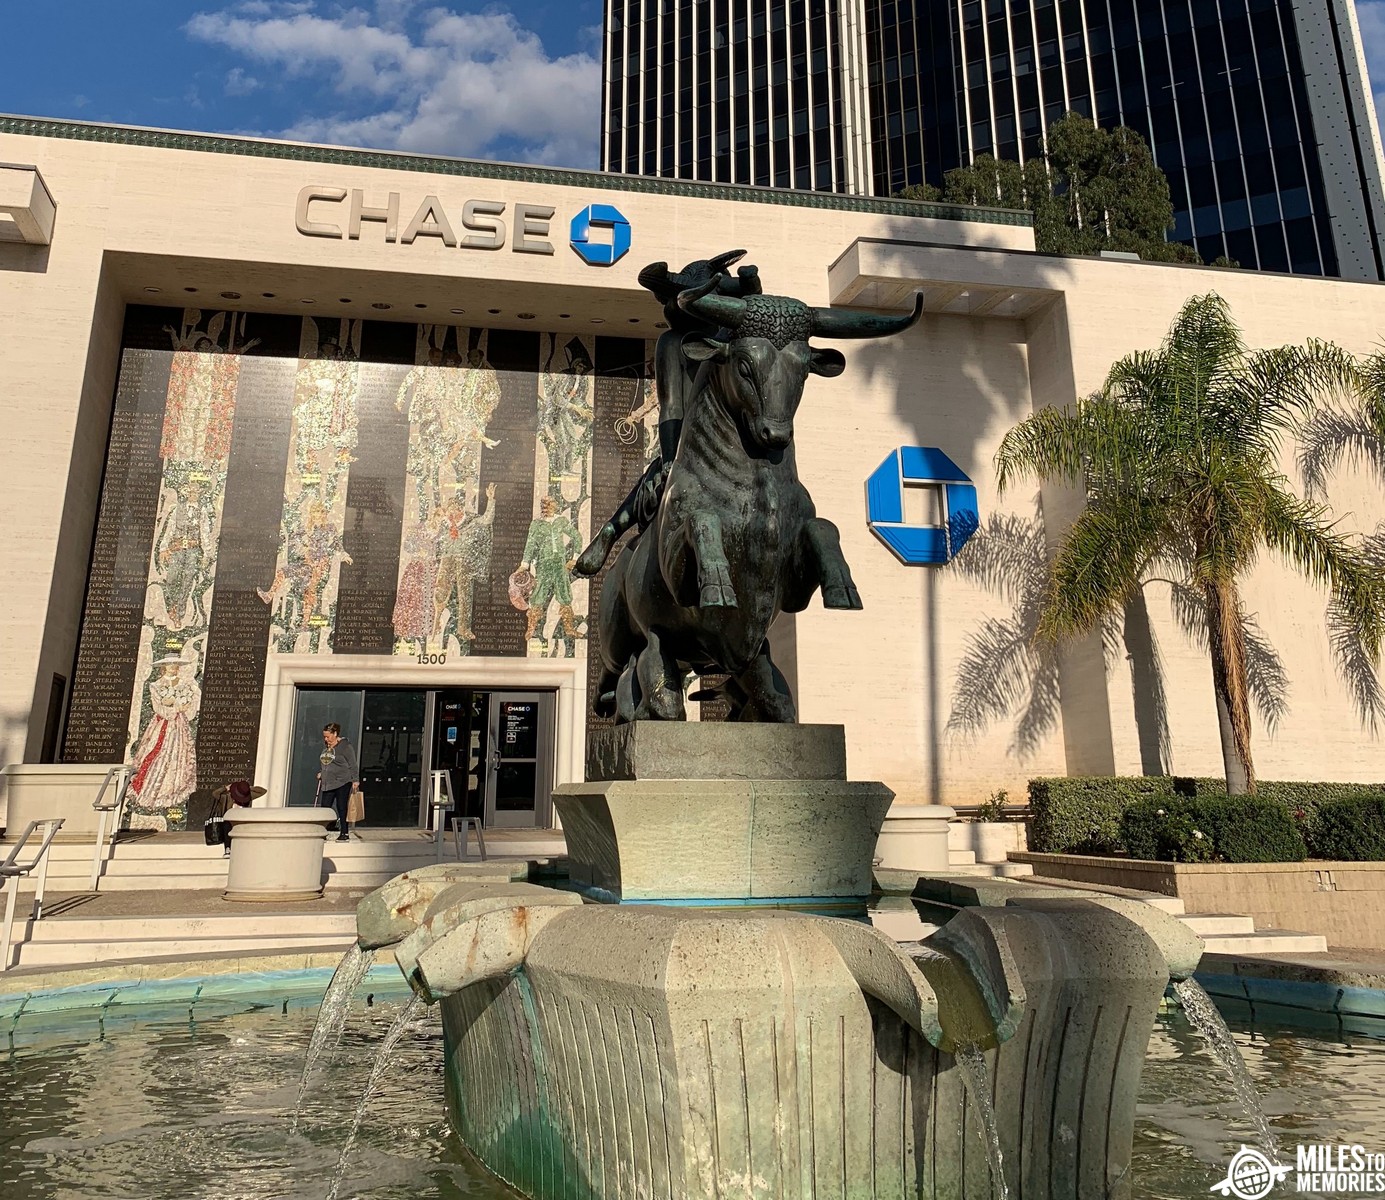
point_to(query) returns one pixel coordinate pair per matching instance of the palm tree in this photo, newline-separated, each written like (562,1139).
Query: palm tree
(1179,456)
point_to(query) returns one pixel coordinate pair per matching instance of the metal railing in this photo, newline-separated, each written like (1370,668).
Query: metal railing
(461,826)
(120,777)
(13,869)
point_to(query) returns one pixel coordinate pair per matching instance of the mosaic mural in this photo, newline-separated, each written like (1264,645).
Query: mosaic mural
(287,485)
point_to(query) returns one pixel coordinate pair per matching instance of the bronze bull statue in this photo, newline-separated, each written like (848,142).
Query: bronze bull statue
(736,539)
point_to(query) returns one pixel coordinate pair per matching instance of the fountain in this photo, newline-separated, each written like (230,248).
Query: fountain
(701,1010)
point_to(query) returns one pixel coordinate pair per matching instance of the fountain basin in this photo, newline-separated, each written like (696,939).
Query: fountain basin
(276,853)
(600,1050)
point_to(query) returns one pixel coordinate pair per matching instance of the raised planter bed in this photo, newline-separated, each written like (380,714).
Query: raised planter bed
(1343,901)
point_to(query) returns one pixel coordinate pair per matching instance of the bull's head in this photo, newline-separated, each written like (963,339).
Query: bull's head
(759,370)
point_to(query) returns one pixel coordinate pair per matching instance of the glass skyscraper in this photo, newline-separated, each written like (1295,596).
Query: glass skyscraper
(1258,111)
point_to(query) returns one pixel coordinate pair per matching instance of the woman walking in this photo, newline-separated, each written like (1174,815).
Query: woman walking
(339,777)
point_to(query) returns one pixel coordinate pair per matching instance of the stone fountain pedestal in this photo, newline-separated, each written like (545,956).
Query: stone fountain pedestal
(675,811)
(718,1046)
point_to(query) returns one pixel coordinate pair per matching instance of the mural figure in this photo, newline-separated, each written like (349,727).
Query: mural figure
(413,601)
(473,395)
(165,756)
(548,555)
(324,419)
(464,541)
(311,550)
(565,420)
(423,396)
(312,557)
(184,546)
(641,425)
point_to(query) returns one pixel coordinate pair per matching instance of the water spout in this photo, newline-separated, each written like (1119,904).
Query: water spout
(402,1024)
(1202,1014)
(977,1077)
(331,1017)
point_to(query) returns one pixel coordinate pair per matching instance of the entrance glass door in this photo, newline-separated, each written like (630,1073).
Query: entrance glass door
(314,708)
(519,767)
(391,750)
(386,728)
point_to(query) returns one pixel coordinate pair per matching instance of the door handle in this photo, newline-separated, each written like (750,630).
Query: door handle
(495,760)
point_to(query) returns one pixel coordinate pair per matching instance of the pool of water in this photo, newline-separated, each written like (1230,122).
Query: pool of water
(157,1106)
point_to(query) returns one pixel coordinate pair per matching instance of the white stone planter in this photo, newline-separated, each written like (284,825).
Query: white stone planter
(276,853)
(914,837)
(38,791)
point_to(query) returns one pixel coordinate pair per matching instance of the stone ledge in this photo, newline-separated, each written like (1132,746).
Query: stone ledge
(723,839)
(716,750)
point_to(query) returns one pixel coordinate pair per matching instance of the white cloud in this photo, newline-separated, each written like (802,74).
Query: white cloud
(431,80)
(238,83)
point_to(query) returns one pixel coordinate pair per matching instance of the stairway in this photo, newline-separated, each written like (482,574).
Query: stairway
(184,862)
(59,942)
(1221,933)
(962,861)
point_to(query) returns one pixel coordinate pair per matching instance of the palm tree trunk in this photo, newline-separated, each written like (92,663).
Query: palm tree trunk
(1226,637)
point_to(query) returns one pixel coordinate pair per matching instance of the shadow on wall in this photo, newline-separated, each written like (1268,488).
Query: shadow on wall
(21,256)
(982,366)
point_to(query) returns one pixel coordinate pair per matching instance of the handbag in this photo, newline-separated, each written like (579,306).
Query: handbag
(355,808)
(211,830)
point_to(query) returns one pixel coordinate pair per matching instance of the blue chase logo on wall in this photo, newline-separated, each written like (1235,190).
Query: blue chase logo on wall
(954,511)
(601,253)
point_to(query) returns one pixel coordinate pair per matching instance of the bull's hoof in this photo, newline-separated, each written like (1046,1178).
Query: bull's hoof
(717,595)
(842,596)
(593,558)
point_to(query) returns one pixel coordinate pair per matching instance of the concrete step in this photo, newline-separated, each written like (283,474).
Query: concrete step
(53,954)
(960,858)
(1007,870)
(1169,904)
(238,922)
(1267,941)
(1218,924)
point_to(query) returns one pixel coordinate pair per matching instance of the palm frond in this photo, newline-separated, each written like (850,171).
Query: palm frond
(1039,717)
(1272,391)
(1358,669)
(1298,530)
(1266,676)
(993,676)
(1100,563)
(1333,436)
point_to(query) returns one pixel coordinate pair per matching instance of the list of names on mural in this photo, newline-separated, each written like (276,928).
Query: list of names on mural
(98,726)
(374,515)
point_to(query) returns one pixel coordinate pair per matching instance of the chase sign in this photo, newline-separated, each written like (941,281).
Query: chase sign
(920,466)
(600,253)
(599,233)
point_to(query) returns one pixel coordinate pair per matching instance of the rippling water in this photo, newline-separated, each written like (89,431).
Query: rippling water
(1313,1089)
(157,1107)
(167,1109)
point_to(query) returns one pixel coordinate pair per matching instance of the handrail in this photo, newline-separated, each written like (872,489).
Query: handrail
(11,869)
(121,777)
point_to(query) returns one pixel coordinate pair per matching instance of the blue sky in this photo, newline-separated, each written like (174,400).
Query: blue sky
(518,82)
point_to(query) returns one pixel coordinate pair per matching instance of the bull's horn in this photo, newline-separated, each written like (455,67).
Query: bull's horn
(725,312)
(723,262)
(849,323)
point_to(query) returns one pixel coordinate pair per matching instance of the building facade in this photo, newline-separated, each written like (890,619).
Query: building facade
(298,434)
(1259,111)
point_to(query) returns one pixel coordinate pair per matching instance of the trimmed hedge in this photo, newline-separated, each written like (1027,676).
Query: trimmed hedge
(1234,829)
(1082,814)
(1351,828)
